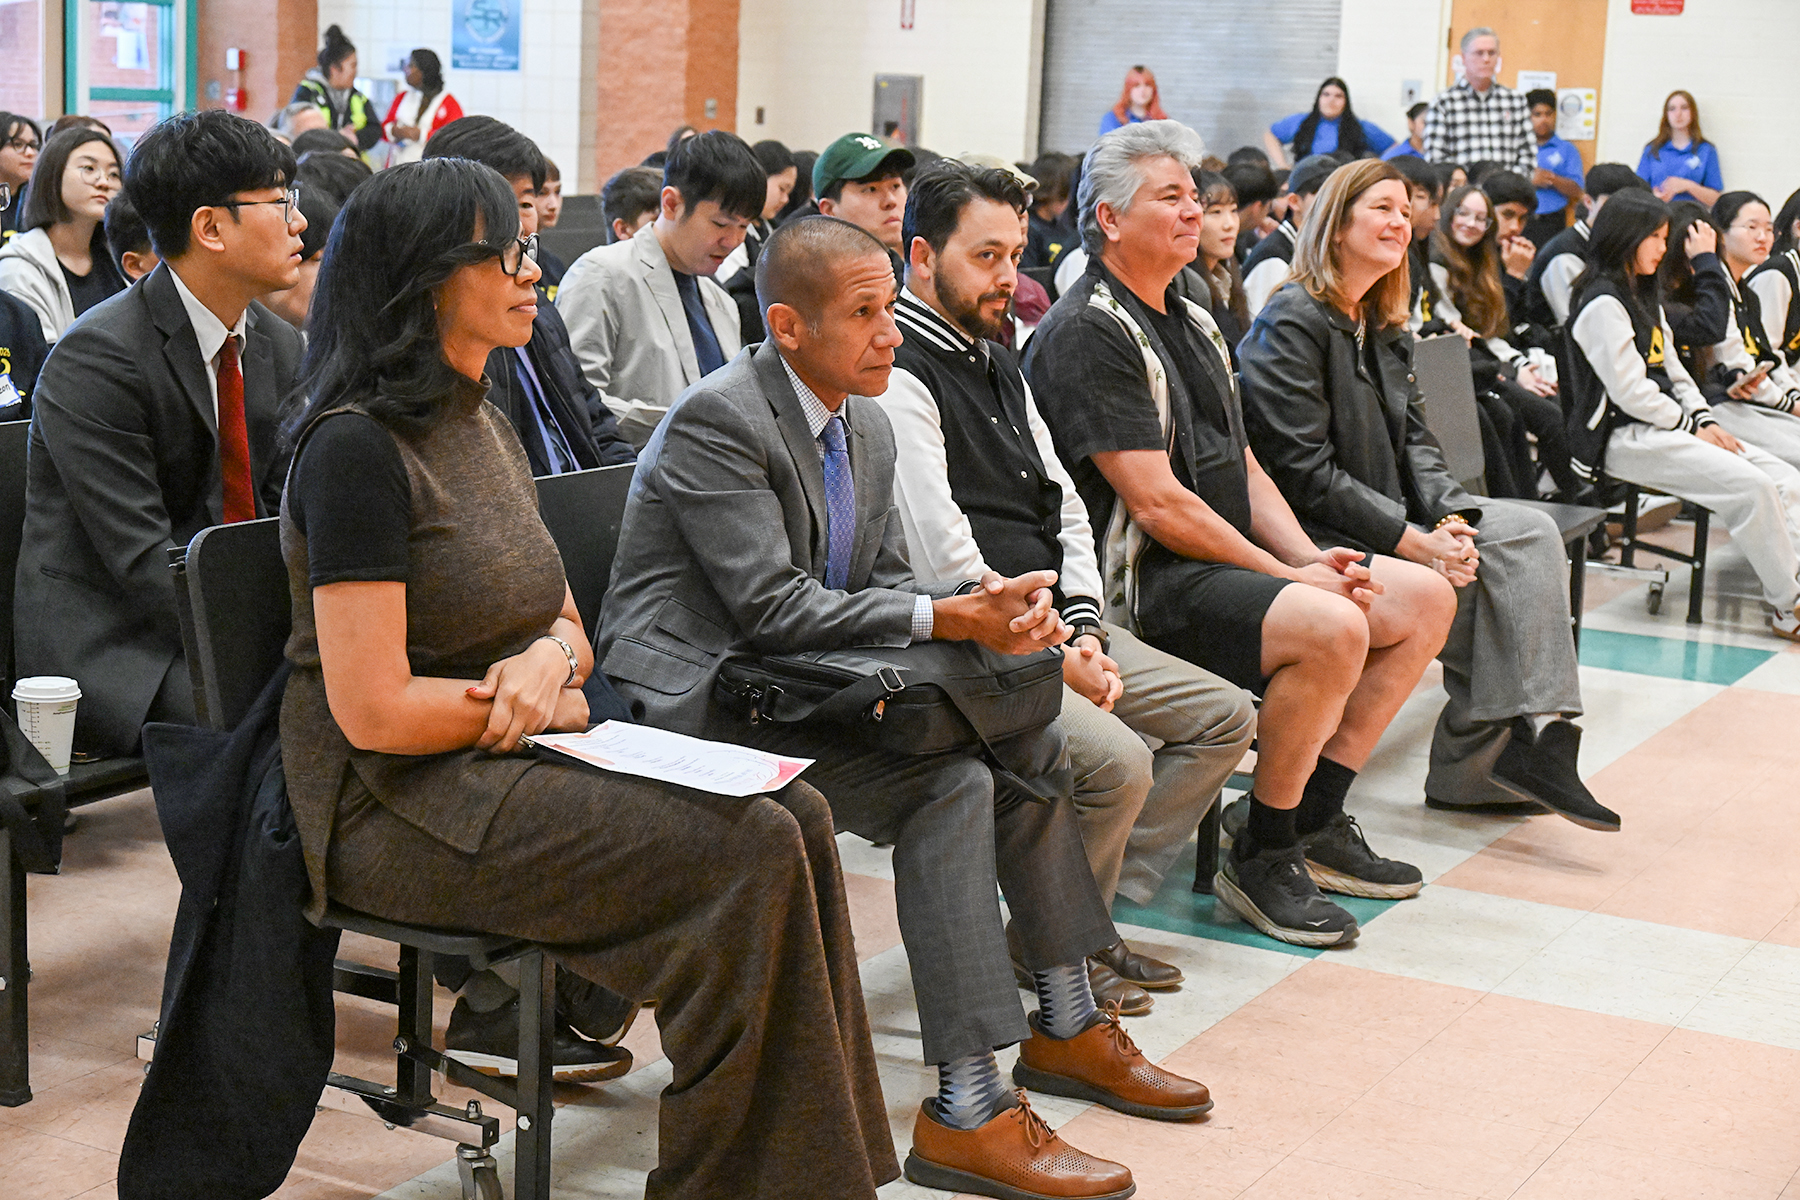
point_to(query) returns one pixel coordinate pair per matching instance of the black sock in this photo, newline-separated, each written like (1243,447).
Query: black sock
(1269,828)
(1323,798)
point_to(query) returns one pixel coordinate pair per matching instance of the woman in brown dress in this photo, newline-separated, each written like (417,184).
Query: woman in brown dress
(433,628)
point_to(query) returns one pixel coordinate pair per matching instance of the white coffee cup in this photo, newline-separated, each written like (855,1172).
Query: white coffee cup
(47,715)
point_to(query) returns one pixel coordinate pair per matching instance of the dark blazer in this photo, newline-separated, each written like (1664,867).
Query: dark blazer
(723,545)
(124,464)
(590,427)
(1350,453)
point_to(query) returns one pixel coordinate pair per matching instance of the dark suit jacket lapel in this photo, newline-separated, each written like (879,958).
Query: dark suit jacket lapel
(872,501)
(262,414)
(180,349)
(790,418)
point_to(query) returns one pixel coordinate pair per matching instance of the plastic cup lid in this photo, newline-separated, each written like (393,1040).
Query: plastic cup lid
(46,687)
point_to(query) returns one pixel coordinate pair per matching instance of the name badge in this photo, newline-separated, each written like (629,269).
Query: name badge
(9,395)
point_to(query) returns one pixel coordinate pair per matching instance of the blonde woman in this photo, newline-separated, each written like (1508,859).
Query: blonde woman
(1334,416)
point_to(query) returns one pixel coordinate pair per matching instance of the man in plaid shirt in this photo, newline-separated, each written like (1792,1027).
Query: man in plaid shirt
(1480,119)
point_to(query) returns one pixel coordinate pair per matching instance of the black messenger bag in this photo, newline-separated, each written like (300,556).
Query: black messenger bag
(920,699)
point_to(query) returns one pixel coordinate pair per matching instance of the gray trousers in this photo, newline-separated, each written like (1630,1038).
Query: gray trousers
(954,836)
(1138,805)
(1510,653)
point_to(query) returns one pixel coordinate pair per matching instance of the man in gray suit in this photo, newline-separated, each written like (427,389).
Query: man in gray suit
(761,517)
(157,415)
(645,316)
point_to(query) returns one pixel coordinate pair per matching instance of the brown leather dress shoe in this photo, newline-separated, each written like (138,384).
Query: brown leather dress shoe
(1015,1156)
(1108,988)
(1102,1064)
(1148,973)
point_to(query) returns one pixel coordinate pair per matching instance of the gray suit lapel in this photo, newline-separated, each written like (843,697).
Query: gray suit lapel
(791,420)
(871,503)
(660,277)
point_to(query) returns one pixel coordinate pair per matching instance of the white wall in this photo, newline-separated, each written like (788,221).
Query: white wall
(1384,43)
(1737,57)
(811,66)
(542,99)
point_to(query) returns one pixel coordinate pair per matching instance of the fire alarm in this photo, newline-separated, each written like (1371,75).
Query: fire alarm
(234,59)
(236,99)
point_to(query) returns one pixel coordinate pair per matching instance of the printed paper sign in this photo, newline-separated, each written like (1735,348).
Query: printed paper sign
(1577,111)
(718,767)
(484,35)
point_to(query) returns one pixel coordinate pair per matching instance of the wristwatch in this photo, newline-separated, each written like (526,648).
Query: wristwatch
(1095,630)
(569,651)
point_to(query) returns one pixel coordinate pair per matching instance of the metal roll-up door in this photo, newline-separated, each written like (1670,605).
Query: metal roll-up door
(1226,68)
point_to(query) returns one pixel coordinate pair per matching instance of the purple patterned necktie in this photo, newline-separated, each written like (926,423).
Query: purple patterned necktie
(840,505)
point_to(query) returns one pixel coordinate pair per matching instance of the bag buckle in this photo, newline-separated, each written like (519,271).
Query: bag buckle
(890,679)
(763,701)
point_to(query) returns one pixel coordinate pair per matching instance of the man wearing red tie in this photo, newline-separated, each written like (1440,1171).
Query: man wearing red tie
(157,415)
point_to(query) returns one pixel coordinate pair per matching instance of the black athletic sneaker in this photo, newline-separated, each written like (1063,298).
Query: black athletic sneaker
(1545,770)
(596,1013)
(1273,892)
(489,1042)
(1339,860)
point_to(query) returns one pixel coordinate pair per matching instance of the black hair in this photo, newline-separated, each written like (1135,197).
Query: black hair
(432,71)
(1620,228)
(491,142)
(321,141)
(680,134)
(320,207)
(1481,168)
(1785,221)
(1676,274)
(1253,182)
(774,157)
(1247,154)
(1413,114)
(720,167)
(1053,171)
(125,231)
(1726,208)
(1537,96)
(372,332)
(193,159)
(1606,179)
(1350,131)
(629,195)
(887,168)
(1209,183)
(9,127)
(43,201)
(336,49)
(1510,187)
(332,173)
(798,263)
(940,192)
(1421,174)
(802,195)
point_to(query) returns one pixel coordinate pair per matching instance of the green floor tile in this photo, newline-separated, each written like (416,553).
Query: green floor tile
(1669,658)
(1178,908)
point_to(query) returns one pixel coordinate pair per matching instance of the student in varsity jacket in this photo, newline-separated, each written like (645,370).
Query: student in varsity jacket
(979,486)
(1777,285)
(1561,261)
(1636,415)
(1268,264)
(1761,390)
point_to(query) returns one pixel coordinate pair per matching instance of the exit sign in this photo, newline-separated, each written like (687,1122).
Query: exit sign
(1658,8)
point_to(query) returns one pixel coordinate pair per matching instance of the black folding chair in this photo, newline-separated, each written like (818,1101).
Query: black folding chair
(235,622)
(1442,367)
(582,511)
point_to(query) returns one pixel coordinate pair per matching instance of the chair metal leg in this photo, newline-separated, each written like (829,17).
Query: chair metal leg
(1206,853)
(1697,577)
(15,974)
(412,1078)
(537,1026)
(1628,530)
(1578,558)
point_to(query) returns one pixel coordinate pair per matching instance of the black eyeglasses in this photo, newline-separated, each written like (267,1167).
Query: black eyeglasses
(22,144)
(512,253)
(289,201)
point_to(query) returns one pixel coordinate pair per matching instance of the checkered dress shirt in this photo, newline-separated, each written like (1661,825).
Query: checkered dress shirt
(1463,127)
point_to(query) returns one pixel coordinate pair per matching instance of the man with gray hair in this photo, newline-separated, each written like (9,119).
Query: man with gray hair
(1202,557)
(296,119)
(1480,118)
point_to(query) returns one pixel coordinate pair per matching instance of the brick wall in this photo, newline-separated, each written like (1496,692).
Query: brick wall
(279,39)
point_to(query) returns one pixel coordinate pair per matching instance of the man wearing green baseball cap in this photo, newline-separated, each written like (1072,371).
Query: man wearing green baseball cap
(859,178)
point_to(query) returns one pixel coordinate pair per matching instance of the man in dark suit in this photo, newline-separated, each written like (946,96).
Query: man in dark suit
(157,415)
(558,414)
(761,517)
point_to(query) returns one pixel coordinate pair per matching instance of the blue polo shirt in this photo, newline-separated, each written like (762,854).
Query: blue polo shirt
(1698,162)
(1109,121)
(1325,137)
(1402,149)
(1565,160)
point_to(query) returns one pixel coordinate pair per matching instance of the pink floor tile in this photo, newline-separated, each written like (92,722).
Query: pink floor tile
(1787,931)
(1581,1170)
(1190,1160)
(1448,1151)
(1698,1127)
(1688,1063)
(1368,1000)
(1474,1083)
(872,915)
(1300,1178)
(36,1166)
(1553,1036)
